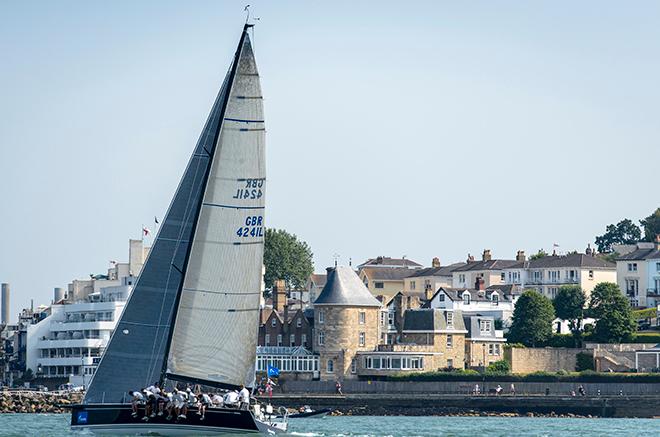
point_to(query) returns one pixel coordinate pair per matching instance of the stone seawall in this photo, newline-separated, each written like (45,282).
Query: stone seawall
(433,404)
(25,401)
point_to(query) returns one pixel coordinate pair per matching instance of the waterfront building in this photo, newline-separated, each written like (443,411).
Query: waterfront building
(346,321)
(497,301)
(385,262)
(428,280)
(384,276)
(483,344)
(488,269)
(548,273)
(392,314)
(68,343)
(638,274)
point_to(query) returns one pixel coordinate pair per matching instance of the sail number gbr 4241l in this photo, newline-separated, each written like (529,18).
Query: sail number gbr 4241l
(253,227)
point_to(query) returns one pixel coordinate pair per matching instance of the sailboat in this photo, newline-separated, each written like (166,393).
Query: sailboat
(192,317)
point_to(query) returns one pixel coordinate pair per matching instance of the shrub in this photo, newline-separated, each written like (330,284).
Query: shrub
(561,340)
(584,361)
(501,367)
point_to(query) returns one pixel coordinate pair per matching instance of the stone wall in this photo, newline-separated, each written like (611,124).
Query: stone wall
(477,353)
(527,360)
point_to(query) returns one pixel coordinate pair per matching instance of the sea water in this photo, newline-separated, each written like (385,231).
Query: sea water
(57,425)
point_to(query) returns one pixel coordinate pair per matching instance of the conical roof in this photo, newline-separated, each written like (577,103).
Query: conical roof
(345,288)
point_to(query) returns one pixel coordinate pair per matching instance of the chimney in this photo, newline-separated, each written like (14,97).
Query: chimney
(479,284)
(657,242)
(589,251)
(379,260)
(520,256)
(435,263)
(5,304)
(279,295)
(470,259)
(486,255)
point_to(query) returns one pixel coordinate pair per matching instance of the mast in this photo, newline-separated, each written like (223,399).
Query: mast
(229,84)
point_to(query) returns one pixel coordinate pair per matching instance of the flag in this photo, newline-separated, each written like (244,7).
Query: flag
(555,245)
(273,371)
(145,231)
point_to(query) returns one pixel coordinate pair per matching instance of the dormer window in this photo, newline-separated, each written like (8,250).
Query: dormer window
(273,322)
(495,298)
(466,298)
(299,322)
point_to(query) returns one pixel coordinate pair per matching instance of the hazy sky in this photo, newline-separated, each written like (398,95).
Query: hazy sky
(394,128)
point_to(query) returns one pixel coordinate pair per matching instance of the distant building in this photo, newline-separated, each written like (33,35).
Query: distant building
(497,301)
(483,344)
(638,274)
(69,342)
(384,281)
(387,262)
(548,273)
(488,269)
(428,280)
(315,284)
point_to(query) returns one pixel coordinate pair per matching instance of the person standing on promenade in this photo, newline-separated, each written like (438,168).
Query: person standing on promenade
(338,388)
(513,389)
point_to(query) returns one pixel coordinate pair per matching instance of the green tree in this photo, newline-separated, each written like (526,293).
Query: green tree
(531,324)
(540,254)
(288,258)
(611,309)
(501,367)
(569,305)
(651,225)
(624,232)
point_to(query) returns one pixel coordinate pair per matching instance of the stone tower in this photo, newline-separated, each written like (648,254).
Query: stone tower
(346,321)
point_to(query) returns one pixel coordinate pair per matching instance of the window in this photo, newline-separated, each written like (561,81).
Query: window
(413,285)
(466,298)
(495,298)
(299,322)
(353,365)
(390,319)
(461,278)
(379,285)
(321,338)
(485,326)
(362,317)
(303,339)
(362,338)
(554,276)
(450,319)
(441,297)
(632,267)
(494,349)
(273,322)
(279,339)
(632,287)
(292,340)
(657,266)
(591,274)
(450,341)
(330,366)
(267,340)
(450,363)
(553,292)
(502,276)
(321,316)
(382,318)
(657,285)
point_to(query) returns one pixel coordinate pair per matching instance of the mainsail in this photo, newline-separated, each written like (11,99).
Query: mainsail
(207,247)
(215,333)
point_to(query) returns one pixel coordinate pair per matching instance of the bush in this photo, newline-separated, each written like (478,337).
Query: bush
(584,361)
(645,337)
(501,367)
(561,340)
(515,346)
(647,313)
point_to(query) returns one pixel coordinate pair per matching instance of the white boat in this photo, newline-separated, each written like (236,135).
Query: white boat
(193,314)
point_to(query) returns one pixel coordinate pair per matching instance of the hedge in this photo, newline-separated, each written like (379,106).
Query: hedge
(586,376)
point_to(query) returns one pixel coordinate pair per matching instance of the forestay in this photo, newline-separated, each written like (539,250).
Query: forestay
(215,332)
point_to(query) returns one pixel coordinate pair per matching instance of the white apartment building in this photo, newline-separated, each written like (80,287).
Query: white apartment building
(548,273)
(70,341)
(638,274)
